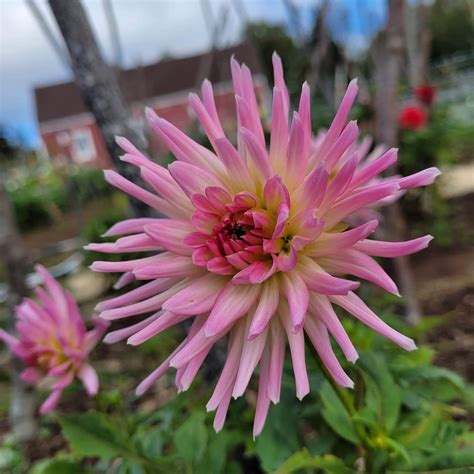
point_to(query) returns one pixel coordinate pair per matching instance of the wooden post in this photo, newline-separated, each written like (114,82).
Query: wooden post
(22,404)
(99,87)
(389,54)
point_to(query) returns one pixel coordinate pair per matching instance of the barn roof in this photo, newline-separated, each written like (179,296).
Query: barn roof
(144,82)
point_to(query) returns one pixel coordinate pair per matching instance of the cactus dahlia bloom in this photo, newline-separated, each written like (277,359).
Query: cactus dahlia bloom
(53,342)
(255,245)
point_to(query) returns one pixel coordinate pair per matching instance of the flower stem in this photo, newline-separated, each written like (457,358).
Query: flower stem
(346,400)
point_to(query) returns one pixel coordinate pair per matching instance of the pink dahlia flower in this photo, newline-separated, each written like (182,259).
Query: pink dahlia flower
(53,342)
(255,245)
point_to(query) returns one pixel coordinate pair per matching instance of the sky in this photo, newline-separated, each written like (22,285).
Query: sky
(149,29)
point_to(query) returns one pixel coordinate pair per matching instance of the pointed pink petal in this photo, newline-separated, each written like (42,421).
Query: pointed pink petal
(362,266)
(355,306)
(235,165)
(322,310)
(221,412)
(298,151)
(340,183)
(340,118)
(191,179)
(330,243)
(225,384)
(296,343)
(296,292)
(30,375)
(183,147)
(121,334)
(232,303)
(318,334)
(89,378)
(145,291)
(156,326)
(255,273)
(258,155)
(313,189)
(357,201)
(51,402)
(212,127)
(266,308)
(263,401)
(169,233)
(190,371)
(137,192)
(280,135)
(319,281)
(251,353)
(198,296)
(422,178)
(345,140)
(378,248)
(172,266)
(277,340)
(280,81)
(275,194)
(374,168)
(144,306)
(130,226)
(158,372)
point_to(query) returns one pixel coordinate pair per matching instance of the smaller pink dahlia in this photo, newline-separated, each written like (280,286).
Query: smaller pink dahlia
(53,341)
(257,245)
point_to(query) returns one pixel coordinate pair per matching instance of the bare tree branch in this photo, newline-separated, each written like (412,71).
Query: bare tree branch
(99,87)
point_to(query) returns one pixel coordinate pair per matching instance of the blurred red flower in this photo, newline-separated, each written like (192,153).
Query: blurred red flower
(412,117)
(425,93)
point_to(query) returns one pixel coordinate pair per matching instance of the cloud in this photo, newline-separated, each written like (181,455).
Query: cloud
(149,29)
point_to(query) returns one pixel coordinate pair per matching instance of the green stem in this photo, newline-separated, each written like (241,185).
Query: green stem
(346,400)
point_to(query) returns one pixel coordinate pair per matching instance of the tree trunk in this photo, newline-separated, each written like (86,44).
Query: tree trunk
(22,404)
(418,41)
(388,62)
(319,52)
(99,87)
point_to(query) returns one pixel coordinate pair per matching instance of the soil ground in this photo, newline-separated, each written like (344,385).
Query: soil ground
(445,287)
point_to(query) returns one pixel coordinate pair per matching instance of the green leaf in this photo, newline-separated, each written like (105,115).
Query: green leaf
(423,356)
(304,460)
(150,442)
(336,415)
(383,396)
(434,383)
(217,452)
(424,432)
(191,439)
(437,373)
(130,467)
(10,459)
(279,439)
(399,449)
(94,435)
(426,324)
(59,466)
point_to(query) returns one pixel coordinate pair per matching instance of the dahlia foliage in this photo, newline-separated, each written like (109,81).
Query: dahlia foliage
(53,341)
(255,245)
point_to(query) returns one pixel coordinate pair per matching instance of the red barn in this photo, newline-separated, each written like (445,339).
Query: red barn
(68,129)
